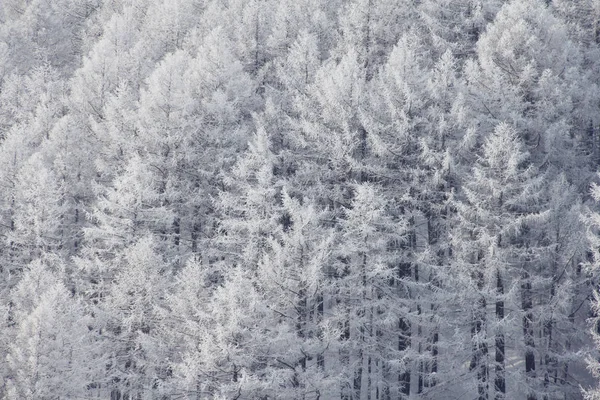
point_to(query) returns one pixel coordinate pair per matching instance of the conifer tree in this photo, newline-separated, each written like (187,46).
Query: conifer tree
(497,256)
(136,365)
(52,354)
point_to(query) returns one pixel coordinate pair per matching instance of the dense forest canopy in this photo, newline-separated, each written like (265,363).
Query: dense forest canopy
(299,199)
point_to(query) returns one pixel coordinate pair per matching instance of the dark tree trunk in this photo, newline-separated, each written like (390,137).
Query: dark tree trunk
(403,345)
(499,380)
(176,231)
(404,337)
(405,271)
(432,367)
(480,349)
(358,376)
(528,334)
(319,318)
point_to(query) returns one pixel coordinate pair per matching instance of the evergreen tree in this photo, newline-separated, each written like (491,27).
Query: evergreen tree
(413,124)
(497,257)
(136,365)
(529,73)
(52,354)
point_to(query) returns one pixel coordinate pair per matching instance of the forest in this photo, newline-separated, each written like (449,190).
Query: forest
(299,199)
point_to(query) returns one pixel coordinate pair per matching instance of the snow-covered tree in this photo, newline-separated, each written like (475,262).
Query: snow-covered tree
(497,259)
(136,365)
(52,354)
(371,348)
(592,220)
(529,73)
(457,25)
(372,29)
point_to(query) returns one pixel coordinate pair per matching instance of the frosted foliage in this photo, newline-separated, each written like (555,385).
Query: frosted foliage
(131,298)
(299,199)
(525,37)
(504,152)
(52,346)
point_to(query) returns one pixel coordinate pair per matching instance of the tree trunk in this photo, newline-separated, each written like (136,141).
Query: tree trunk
(432,347)
(368,63)
(480,349)
(358,376)
(319,318)
(499,380)
(404,337)
(527,306)
(404,345)
(421,364)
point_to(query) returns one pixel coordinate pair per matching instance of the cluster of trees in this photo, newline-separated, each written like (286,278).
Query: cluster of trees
(299,199)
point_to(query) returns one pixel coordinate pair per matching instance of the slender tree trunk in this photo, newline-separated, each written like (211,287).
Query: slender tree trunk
(404,271)
(432,348)
(421,364)
(257,42)
(435,337)
(345,357)
(386,393)
(358,374)
(368,62)
(404,345)
(76,238)
(195,234)
(527,306)
(319,318)
(176,231)
(480,349)
(369,377)
(499,380)
(549,361)
(302,320)
(404,337)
